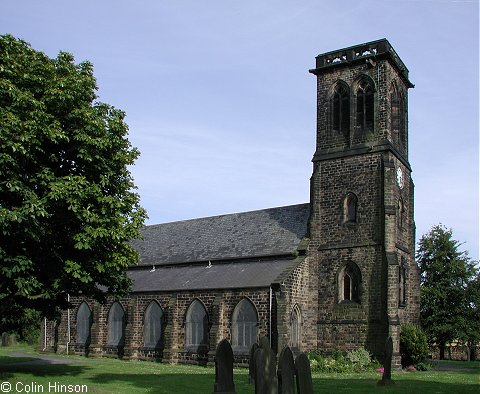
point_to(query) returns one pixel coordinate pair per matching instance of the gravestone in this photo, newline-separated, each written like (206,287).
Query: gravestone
(224,369)
(264,343)
(304,374)
(286,372)
(251,364)
(12,340)
(5,338)
(265,371)
(387,364)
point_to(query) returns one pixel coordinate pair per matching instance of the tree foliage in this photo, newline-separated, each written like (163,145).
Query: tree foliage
(447,278)
(413,345)
(68,206)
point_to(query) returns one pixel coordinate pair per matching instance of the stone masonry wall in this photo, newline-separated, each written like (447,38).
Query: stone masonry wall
(218,303)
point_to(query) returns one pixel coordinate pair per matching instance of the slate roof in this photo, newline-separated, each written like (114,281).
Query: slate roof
(225,275)
(266,232)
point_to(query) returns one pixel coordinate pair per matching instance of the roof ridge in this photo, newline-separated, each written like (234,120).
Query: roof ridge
(225,214)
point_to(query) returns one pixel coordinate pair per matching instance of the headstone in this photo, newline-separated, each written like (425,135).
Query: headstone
(304,374)
(259,376)
(264,343)
(5,338)
(387,364)
(286,372)
(251,364)
(224,369)
(12,340)
(265,371)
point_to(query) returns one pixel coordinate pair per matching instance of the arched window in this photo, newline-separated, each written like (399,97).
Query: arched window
(350,206)
(295,327)
(402,283)
(196,327)
(152,327)
(244,326)
(349,281)
(365,105)
(341,108)
(116,325)
(84,322)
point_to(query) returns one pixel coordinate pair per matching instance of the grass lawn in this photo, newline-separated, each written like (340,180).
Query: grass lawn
(103,375)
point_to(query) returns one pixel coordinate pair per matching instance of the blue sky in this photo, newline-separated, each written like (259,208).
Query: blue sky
(221,105)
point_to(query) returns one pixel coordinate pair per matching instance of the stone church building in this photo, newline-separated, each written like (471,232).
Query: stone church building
(335,273)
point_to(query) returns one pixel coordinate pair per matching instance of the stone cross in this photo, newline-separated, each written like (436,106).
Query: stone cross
(387,364)
(224,369)
(304,374)
(286,372)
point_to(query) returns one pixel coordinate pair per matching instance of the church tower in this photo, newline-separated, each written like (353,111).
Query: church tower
(362,231)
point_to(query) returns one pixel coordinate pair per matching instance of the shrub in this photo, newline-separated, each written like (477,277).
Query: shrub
(360,358)
(413,345)
(338,362)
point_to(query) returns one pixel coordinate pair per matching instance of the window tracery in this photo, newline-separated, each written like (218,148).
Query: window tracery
(152,327)
(244,325)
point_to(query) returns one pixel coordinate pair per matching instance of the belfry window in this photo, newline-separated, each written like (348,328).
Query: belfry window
(196,327)
(84,322)
(350,206)
(365,106)
(244,326)
(116,325)
(395,115)
(152,327)
(341,109)
(349,280)
(402,122)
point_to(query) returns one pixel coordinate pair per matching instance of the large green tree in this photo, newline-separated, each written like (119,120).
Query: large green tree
(446,281)
(68,206)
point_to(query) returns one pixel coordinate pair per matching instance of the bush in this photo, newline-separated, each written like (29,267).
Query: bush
(360,358)
(413,345)
(338,362)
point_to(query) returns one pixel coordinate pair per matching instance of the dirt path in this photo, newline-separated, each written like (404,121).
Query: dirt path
(42,359)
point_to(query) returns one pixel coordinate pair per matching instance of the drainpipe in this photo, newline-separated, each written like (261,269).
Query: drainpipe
(270,316)
(68,323)
(44,334)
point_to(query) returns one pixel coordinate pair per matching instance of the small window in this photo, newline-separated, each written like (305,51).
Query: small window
(341,109)
(152,328)
(349,279)
(116,325)
(196,327)
(402,284)
(365,106)
(244,326)
(84,322)
(295,326)
(350,206)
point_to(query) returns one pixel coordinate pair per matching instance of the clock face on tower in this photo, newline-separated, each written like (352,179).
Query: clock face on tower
(400,177)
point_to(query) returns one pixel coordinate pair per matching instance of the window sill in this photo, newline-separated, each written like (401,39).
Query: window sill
(349,303)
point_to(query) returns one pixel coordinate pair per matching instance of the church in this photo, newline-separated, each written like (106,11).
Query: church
(335,273)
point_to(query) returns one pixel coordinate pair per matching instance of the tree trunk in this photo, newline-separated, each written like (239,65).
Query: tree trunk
(442,350)
(473,353)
